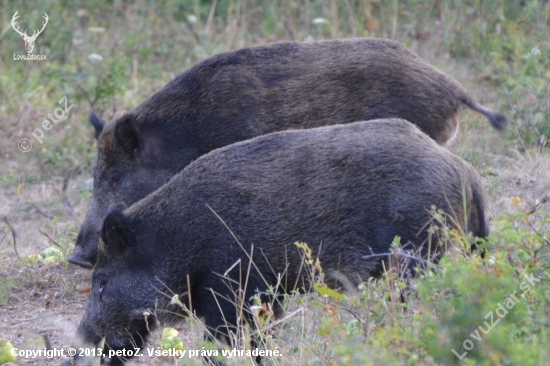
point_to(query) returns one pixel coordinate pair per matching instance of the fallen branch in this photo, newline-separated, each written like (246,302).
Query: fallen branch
(14,235)
(409,256)
(49,238)
(536,206)
(41,211)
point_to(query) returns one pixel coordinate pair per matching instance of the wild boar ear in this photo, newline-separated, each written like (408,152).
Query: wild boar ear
(116,233)
(97,122)
(127,135)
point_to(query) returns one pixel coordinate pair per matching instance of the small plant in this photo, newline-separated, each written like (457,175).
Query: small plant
(6,352)
(170,339)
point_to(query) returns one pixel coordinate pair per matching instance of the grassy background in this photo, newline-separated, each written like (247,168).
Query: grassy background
(112,55)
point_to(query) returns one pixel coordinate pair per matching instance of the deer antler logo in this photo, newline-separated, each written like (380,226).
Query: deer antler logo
(29,41)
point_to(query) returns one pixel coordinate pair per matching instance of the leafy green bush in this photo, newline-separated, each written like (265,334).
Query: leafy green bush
(470,311)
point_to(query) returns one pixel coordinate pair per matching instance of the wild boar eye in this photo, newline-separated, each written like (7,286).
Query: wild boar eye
(102,284)
(115,179)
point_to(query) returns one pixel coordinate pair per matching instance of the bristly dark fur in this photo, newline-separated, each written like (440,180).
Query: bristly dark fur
(345,190)
(238,95)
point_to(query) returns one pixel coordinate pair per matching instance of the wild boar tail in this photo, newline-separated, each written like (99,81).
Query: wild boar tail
(478,223)
(498,120)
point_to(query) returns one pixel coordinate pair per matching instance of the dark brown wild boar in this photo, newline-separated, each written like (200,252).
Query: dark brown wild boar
(238,95)
(345,190)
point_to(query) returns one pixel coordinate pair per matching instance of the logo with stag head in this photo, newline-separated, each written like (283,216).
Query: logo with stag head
(29,40)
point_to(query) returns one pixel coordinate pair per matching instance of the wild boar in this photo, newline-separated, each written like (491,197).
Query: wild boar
(346,190)
(239,95)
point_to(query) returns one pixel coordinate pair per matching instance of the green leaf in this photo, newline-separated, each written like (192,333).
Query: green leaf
(323,290)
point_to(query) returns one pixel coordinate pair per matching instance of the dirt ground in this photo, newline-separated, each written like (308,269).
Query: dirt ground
(46,300)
